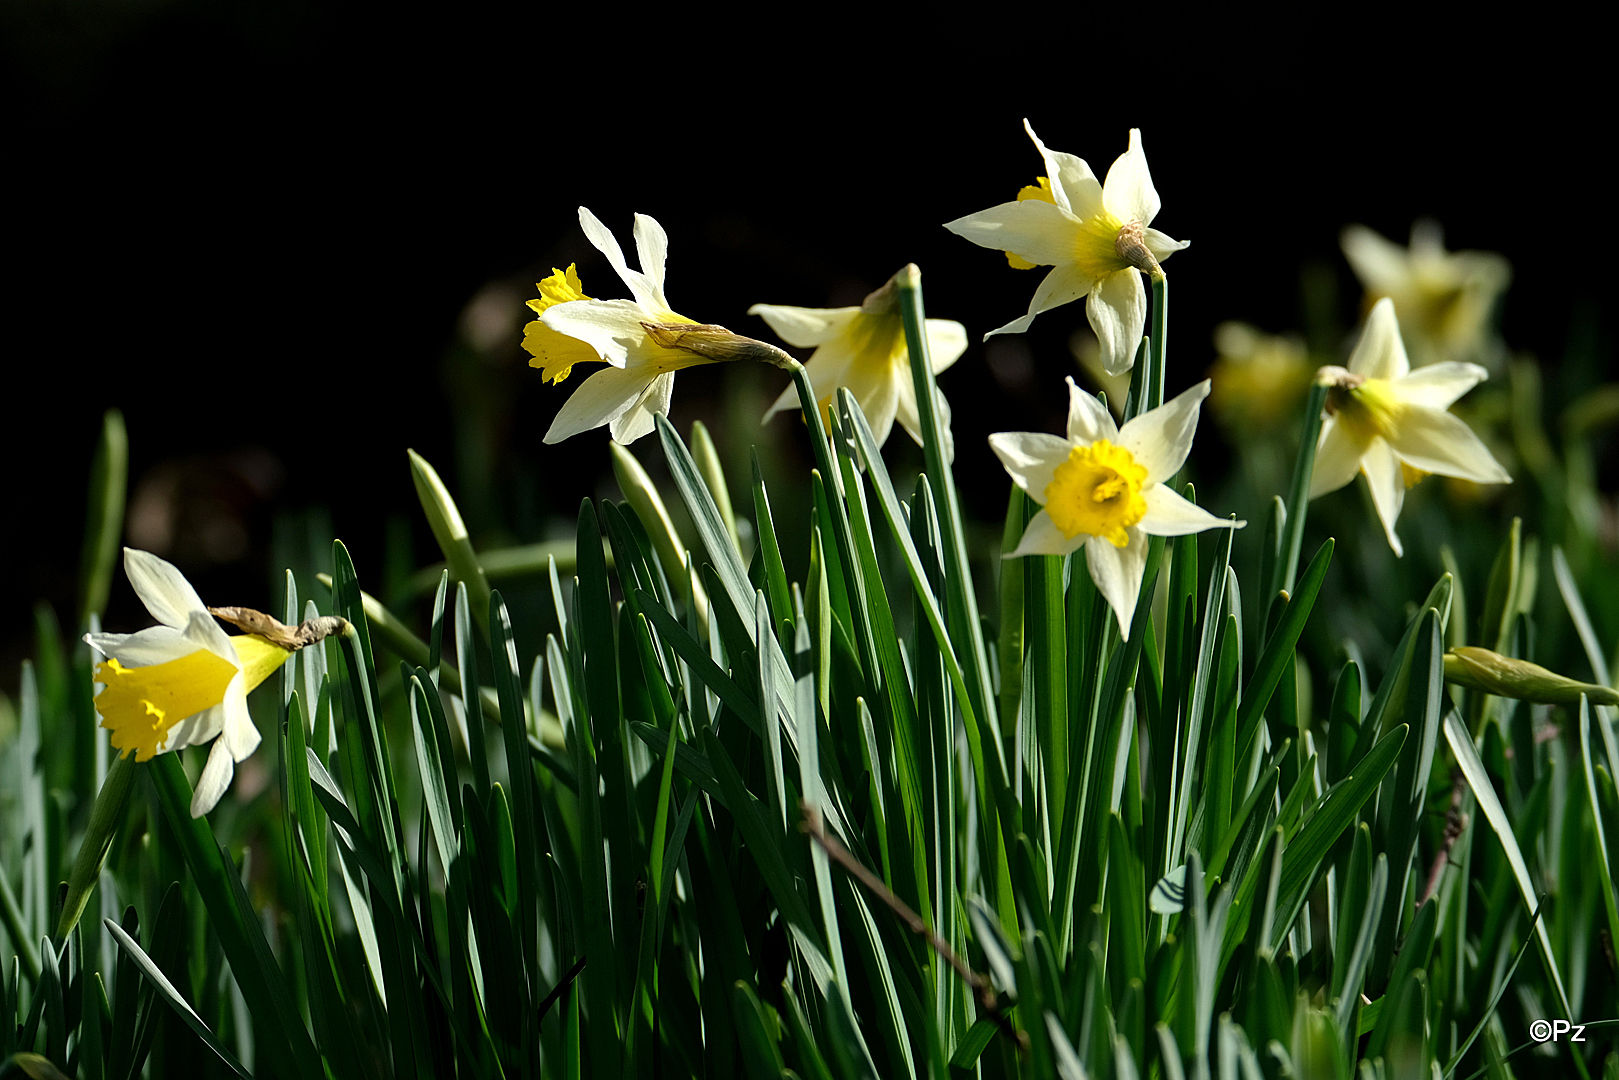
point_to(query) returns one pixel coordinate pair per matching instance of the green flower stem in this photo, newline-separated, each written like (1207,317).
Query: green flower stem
(105,817)
(413,650)
(508,564)
(1158,343)
(1286,566)
(960,601)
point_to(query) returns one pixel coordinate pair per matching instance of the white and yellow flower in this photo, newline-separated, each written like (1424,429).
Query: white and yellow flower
(1093,235)
(1444,299)
(640,378)
(1106,488)
(182,682)
(1390,423)
(864,349)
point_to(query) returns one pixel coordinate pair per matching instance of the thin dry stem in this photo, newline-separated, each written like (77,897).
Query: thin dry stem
(811,824)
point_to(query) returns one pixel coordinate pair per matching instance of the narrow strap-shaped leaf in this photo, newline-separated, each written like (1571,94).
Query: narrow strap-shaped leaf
(1461,744)
(1278,652)
(175,1001)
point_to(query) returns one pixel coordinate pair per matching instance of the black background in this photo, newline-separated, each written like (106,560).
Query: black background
(255,227)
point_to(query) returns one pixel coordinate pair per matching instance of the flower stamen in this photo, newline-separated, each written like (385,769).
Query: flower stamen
(1097,491)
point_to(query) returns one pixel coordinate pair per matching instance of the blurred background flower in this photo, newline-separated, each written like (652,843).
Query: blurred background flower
(291,239)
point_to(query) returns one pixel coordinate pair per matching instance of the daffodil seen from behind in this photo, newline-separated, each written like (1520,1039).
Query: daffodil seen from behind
(1094,235)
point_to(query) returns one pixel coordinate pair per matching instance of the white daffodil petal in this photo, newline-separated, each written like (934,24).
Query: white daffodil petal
(154,645)
(805,327)
(204,633)
(1337,458)
(1168,514)
(1128,192)
(162,588)
(196,729)
(1034,230)
(601,399)
(215,779)
(1437,442)
(1387,486)
(1073,184)
(827,369)
(1042,537)
(1117,308)
(603,240)
(911,420)
(1088,418)
(1380,354)
(947,340)
(652,248)
(637,420)
(1380,264)
(1117,573)
(240,736)
(1063,285)
(1161,245)
(1438,386)
(1031,457)
(1161,438)
(875,384)
(611,327)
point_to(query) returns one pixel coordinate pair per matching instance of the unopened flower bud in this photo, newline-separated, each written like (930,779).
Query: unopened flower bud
(1503,676)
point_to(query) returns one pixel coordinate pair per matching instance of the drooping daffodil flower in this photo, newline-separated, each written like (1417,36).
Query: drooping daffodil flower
(182,682)
(1106,488)
(1094,236)
(1390,423)
(1444,299)
(864,349)
(643,340)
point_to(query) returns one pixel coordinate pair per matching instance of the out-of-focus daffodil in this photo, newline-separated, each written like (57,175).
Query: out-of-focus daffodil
(1093,235)
(1444,299)
(552,352)
(1390,423)
(1106,488)
(864,349)
(182,682)
(636,337)
(1259,379)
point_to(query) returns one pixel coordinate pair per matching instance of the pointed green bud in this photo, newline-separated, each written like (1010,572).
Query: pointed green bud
(642,495)
(451,533)
(1481,669)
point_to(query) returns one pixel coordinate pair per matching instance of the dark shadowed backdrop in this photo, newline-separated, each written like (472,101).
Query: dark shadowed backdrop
(289,240)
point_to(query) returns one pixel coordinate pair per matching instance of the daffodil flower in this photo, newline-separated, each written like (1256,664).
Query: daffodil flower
(1390,423)
(864,349)
(1093,235)
(1443,298)
(640,378)
(1106,488)
(182,682)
